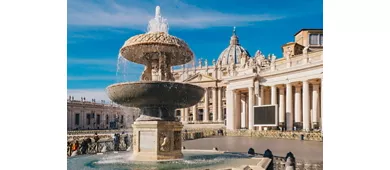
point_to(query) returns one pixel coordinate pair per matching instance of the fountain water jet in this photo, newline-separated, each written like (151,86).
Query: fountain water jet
(156,134)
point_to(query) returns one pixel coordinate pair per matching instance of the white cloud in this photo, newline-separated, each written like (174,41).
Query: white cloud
(137,14)
(80,78)
(84,61)
(98,94)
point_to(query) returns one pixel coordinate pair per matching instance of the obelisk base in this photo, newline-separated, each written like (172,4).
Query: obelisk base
(157,140)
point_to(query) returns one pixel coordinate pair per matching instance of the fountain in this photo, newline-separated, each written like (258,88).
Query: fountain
(156,133)
(157,141)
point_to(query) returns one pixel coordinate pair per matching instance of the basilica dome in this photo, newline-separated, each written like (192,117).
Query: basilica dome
(233,52)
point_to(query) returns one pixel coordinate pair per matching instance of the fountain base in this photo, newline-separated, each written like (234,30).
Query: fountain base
(157,140)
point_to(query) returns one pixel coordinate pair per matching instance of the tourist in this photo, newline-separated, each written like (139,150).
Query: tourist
(69,149)
(96,139)
(75,147)
(126,140)
(116,141)
(84,146)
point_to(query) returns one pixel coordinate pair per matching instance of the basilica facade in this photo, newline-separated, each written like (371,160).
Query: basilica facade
(235,82)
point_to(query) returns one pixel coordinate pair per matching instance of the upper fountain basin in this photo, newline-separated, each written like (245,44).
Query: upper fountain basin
(144,47)
(155,93)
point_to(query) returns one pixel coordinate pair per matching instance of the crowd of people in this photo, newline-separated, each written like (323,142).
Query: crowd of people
(77,148)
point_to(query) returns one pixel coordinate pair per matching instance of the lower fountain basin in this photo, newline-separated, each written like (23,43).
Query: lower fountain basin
(192,160)
(156,99)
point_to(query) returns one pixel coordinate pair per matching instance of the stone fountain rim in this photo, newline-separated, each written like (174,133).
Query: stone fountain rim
(179,42)
(151,82)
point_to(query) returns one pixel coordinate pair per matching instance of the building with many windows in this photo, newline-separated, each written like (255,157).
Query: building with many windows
(237,81)
(88,115)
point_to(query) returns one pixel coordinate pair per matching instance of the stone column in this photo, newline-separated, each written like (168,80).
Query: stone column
(243,111)
(250,106)
(298,104)
(82,124)
(186,115)
(215,103)
(237,109)
(182,115)
(289,107)
(206,106)
(230,110)
(273,95)
(282,108)
(69,120)
(315,104)
(306,106)
(220,112)
(195,113)
(261,96)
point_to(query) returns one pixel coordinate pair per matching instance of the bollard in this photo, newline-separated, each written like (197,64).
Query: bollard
(289,161)
(251,151)
(268,154)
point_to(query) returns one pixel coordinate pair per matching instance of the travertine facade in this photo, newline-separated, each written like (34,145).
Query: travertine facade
(236,82)
(87,115)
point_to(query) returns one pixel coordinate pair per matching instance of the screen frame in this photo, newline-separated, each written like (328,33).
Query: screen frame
(276,115)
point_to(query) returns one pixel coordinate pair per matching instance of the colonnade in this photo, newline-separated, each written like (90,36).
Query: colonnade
(216,108)
(298,103)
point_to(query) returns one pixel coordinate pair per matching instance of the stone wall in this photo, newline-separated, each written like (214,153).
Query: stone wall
(294,135)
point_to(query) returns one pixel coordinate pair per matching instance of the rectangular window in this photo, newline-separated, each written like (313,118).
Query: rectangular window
(314,39)
(121,118)
(98,119)
(77,119)
(107,120)
(88,119)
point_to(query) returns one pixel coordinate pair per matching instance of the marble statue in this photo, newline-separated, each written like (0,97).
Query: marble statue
(164,145)
(147,73)
(243,60)
(259,57)
(200,63)
(205,62)
(155,70)
(231,69)
(305,50)
(288,53)
(273,59)
(251,62)
(214,63)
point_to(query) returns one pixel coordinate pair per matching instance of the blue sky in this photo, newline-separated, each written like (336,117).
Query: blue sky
(97,30)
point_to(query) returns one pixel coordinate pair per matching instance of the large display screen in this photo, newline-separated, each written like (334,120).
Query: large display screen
(265,115)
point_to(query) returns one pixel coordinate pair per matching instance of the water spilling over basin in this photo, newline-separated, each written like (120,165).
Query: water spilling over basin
(191,160)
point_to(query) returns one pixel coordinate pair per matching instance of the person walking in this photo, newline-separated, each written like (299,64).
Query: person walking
(126,140)
(96,139)
(84,147)
(116,141)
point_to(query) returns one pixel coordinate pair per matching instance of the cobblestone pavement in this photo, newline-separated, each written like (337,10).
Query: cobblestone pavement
(303,150)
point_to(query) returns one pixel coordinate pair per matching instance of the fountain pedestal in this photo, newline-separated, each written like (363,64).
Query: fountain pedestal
(157,140)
